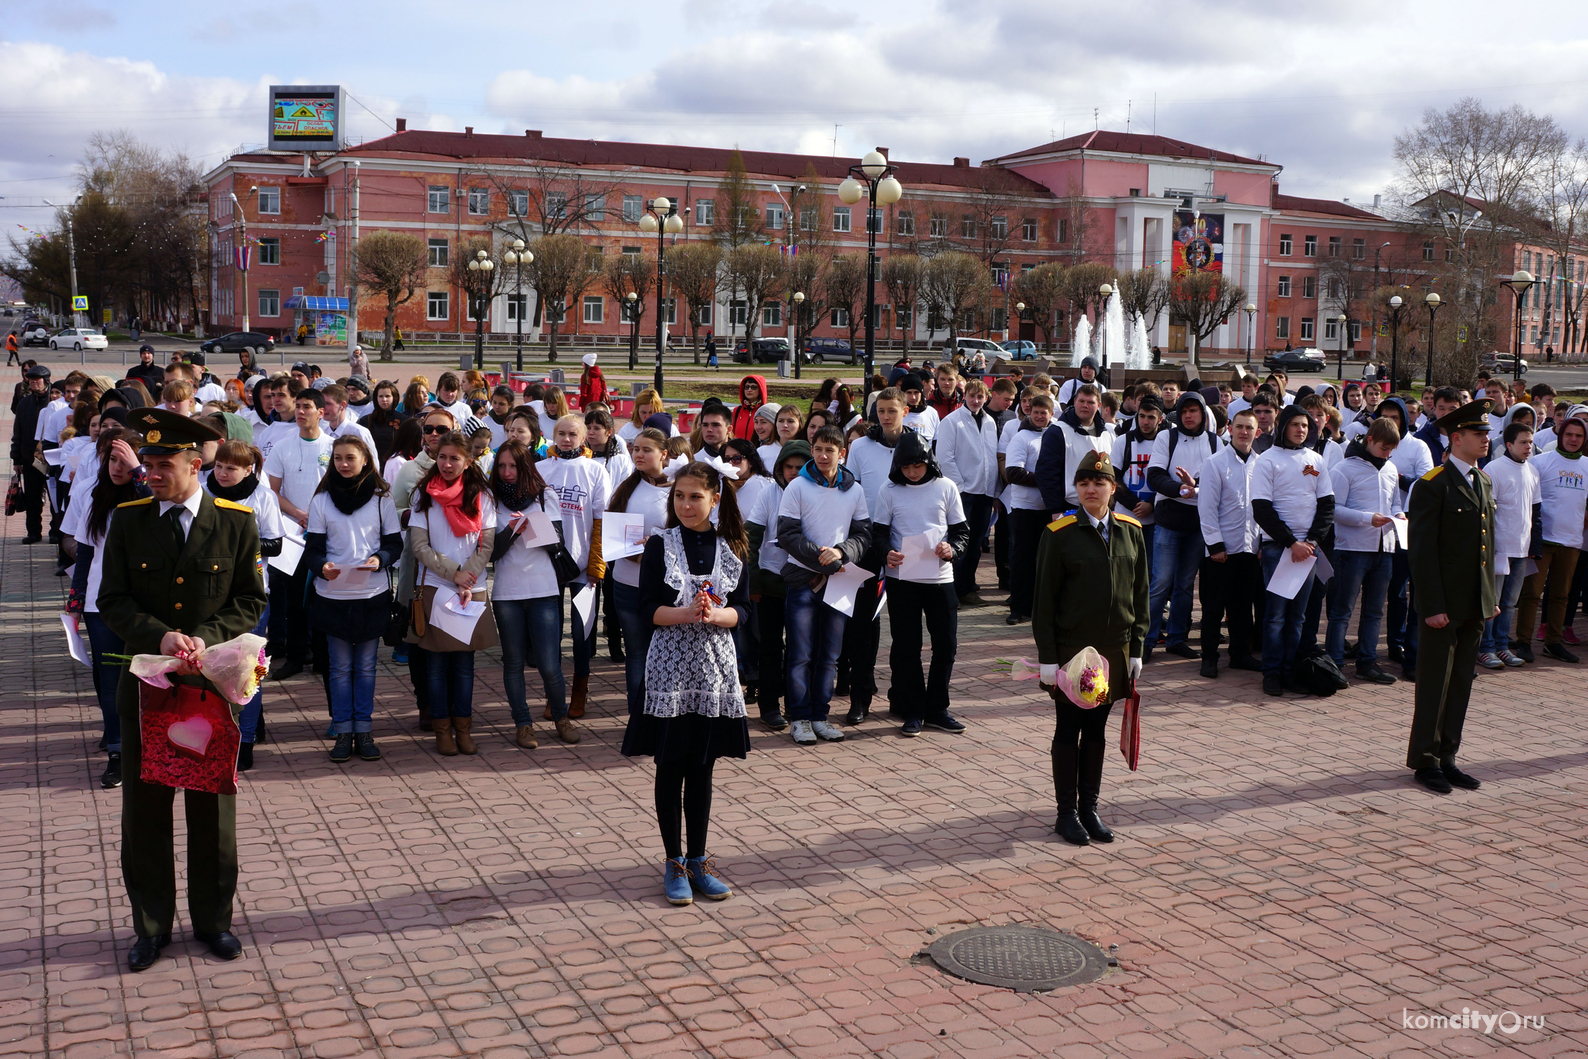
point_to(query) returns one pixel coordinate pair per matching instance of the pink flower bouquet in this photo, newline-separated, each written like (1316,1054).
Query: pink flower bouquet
(235,667)
(1084,679)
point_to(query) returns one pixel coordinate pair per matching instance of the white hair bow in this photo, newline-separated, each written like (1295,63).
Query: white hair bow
(674,465)
(720,465)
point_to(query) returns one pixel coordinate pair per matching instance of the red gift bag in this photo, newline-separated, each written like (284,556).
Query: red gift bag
(1130,729)
(189,737)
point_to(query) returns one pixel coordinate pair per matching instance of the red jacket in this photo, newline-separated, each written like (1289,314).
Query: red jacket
(592,386)
(743,414)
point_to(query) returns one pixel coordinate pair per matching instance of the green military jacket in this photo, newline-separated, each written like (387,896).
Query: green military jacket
(1090,594)
(213,589)
(1450,545)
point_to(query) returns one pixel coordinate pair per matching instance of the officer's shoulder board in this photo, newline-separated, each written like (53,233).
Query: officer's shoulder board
(1060,523)
(1435,473)
(1127,520)
(232,505)
(137,503)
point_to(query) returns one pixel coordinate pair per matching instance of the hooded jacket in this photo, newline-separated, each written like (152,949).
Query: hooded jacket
(1411,457)
(1063,445)
(1067,391)
(1364,486)
(967,450)
(767,559)
(1175,446)
(1292,493)
(743,414)
(871,458)
(905,508)
(813,515)
(1518,509)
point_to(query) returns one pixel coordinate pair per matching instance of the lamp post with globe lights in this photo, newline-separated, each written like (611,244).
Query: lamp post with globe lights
(634,330)
(518,257)
(1432,301)
(1344,322)
(873,179)
(661,217)
(480,270)
(1020,319)
(1251,330)
(799,301)
(1395,304)
(1519,282)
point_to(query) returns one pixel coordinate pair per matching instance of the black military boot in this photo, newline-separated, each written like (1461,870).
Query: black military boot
(1068,824)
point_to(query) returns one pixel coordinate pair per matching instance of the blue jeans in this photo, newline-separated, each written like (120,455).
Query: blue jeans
(107,675)
(815,633)
(1497,630)
(636,642)
(1282,617)
(1367,573)
(1177,554)
(248,720)
(532,628)
(352,684)
(451,678)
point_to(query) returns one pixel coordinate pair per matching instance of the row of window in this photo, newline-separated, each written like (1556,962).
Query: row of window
(1309,246)
(1308,333)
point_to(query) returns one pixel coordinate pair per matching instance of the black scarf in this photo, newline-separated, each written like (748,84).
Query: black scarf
(350,494)
(515,496)
(238,493)
(1359,450)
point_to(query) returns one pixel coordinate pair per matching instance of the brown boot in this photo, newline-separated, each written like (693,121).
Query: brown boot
(567,732)
(460,728)
(445,746)
(581,688)
(526,737)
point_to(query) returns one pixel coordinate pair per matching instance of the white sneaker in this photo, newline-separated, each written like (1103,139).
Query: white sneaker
(1490,660)
(802,733)
(1509,659)
(827,731)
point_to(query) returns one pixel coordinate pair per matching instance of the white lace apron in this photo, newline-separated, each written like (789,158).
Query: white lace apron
(693,668)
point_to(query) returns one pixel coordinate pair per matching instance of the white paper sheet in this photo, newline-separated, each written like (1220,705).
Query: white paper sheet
(452,617)
(351,577)
(842,588)
(1403,529)
(1290,575)
(1529,567)
(55,457)
(1323,570)
(622,534)
(291,552)
(1502,566)
(74,640)
(920,559)
(539,529)
(584,605)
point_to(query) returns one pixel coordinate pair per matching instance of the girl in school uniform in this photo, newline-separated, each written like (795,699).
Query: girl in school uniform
(645,493)
(353,533)
(693,593)
(451,533)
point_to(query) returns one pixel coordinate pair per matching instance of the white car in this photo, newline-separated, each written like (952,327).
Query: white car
(79,338)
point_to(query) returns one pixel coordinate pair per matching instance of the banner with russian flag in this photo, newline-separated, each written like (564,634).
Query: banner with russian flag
(243,255)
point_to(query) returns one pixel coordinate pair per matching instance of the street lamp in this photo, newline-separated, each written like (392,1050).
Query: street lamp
(1251,331)
(1432,301)
(1374,351)
(1519,282)
(1020,318)
(518,257)
(480,277)
(634,329)
(71,250)
(799,301)
(1395,341)
(874,179)
(661,217)
(1344,322)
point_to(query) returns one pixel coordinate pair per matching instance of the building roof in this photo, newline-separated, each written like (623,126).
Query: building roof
(534,147)
(1132,143)
(1297,204)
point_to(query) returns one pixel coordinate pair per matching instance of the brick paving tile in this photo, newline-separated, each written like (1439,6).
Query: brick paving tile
(1278,888)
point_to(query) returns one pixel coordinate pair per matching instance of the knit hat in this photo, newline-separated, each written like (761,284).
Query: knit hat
(768,412)
(589,360)
(660,421)
(911,381)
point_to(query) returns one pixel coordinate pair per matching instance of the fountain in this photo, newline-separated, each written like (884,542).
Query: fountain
(1112,333)
(1140,356)
(1081,344)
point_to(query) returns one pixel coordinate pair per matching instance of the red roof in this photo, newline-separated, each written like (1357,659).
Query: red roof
(1297,204)
(1132,143)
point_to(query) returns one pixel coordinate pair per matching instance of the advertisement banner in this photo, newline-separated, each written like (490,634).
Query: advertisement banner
(305,117)
(1198,242)
(330,329)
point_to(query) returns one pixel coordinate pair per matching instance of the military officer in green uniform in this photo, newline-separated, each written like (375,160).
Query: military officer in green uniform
(181,571)
(1091,591)
(1451,557)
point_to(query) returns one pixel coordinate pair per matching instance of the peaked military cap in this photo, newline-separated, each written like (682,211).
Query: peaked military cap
(1473,415)
(167,433)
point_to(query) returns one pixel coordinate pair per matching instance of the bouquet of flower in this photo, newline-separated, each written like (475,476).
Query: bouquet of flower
(1084,679)
(1018,668)
(235,667)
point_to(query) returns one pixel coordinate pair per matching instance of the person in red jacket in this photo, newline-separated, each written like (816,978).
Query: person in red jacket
(592,384)
(752,395)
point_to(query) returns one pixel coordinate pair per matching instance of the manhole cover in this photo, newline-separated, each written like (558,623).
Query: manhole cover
(1024,958)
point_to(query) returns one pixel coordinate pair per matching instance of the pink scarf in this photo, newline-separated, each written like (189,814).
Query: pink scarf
(450,499)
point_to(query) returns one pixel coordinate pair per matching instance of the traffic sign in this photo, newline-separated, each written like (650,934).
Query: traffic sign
(1461,334)
(79,303)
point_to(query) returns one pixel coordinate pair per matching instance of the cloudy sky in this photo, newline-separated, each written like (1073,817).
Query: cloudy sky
(1320,89)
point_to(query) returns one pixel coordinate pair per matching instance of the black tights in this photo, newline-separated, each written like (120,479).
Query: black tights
(689,786)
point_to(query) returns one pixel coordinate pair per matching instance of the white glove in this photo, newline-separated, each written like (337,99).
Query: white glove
(1133,668)
(1049,674)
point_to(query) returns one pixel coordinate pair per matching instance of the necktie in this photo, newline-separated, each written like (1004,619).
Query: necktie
(1474,476)
(174,517)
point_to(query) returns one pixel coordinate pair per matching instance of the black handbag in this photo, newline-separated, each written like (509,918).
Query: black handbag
(14,496)
(562,565)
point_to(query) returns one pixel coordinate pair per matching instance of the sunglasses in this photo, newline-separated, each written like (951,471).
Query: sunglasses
(735,459)
(437,430)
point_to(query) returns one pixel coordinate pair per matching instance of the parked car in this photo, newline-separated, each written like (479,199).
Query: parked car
(767,351)
(963,348)
(10,312)
(1296,360)
(1502,362)
(1020,349)
(237,341)
(822,350)
(34,333)
(77,338)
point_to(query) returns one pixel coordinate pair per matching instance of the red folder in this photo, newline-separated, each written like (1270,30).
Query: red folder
(1130,729)
(189,739)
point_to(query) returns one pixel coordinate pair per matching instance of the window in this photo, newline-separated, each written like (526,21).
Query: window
(595,208)
(1000,277)
(670,312)
(1334,246)
(557,206)
(269,201)
(595,260)
(438,253)
(967,320)
(270,253)
(705,315)
(967,226)
(269,302)
(1284,286)
(840,218)
(632,252)
(436,305)
(1309,286)
(901,319)
(1309,246)
(1283,325)
(1028,229)
(1527,260)
(996,319)
(774,216)
(1284,245)
(555,314)
(736,314)
(706,211)
(904,222)
(772,314)
(518,203)
(1306,328)
(1450,253)
(1359,248)
(440,199)
(1331,329)
(938,227)
(1334,287)
(633,208)
(1000,229)
(627,312)
(809,219)
(840,317)
(1064,229)
(517,307)
(479,201)
(594,306)
(1428,251)
(873,220)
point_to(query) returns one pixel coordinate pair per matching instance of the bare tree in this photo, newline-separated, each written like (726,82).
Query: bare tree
(807,273)
(903,275)
(544,198)
(632,274)
(1144,291)
(991,213)
(1043,292)
(392,265)
(478,284)
(692,274)
(559,275)
(1082,283)
(756,271)
(1562,211)
(955,281)
(1203,301)
(737,207)
(846,290)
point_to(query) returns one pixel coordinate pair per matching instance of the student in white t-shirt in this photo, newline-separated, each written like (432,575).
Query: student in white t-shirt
(582,490)
(294,468)
(643,493)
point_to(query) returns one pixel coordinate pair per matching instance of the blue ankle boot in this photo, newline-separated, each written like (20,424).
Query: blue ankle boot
(703,877)
(676,883)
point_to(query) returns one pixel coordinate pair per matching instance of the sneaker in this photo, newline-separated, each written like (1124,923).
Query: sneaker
(830,732)
(1509,659)
(1559,653)
(1490,660)
(1374,674)
(399,654)
(703,877)
(1210,667)
(1273,687)
(1570,636)
(343,750)
(1181,650)
(912,728)
(1524,651)
(804,734)
(675,883)
(1016,619)
(944,722)
(364,743)
(111,777)
(972,599)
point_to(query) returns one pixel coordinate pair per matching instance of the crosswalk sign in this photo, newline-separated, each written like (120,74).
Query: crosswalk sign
(79,303)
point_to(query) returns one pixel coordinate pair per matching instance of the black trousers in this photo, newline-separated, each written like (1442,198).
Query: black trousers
(910,602)
(1445,661)
(769,624)
(1000,536)
(978,511)
(33,498)
(1023,559)
(683,796)
(1080,740)
(1233,591)
(857,658)
(292,634)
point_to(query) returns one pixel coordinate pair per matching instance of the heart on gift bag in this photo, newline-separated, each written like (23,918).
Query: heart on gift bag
(192,735)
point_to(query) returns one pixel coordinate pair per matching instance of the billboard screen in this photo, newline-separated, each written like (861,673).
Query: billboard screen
(1198,242)
(305,117)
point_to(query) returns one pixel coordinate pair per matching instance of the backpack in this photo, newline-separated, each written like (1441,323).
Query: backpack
(1316,672)
(1174,439)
